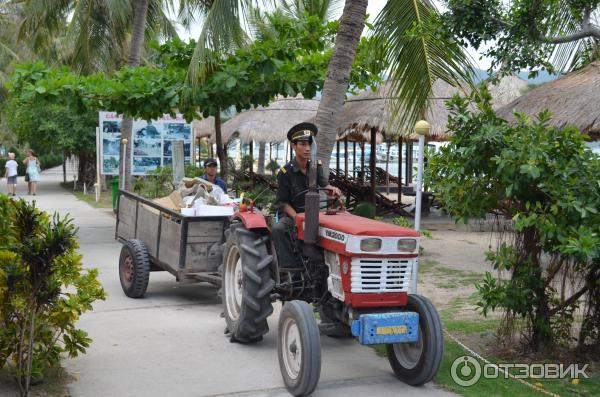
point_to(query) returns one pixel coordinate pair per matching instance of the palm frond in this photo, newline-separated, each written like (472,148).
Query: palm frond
(418,56)
(324,9)
(221,32)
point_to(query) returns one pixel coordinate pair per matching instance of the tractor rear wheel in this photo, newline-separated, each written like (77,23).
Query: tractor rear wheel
(247,283)
(417,363)
(299,348)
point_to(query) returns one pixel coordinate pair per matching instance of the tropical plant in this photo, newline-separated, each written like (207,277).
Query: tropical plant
(546,180)
(529,34)
(43,290)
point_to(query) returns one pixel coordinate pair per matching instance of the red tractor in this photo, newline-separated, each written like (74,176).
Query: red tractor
(356,273)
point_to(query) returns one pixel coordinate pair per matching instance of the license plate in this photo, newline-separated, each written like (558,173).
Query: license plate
(386,328)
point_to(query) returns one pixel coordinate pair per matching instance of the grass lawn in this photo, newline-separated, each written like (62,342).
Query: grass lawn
(90,198)
(478,333)
(54,384)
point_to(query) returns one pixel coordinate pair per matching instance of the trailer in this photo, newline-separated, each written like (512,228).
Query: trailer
(156,238)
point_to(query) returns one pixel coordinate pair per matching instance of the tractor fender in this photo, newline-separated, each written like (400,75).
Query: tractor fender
(252,220)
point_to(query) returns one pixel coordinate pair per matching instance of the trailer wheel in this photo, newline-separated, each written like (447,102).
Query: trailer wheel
(417,363)
(134,268)
(247,283)
(299,348)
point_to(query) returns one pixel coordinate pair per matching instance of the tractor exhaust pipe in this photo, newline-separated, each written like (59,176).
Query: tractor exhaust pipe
(311,207)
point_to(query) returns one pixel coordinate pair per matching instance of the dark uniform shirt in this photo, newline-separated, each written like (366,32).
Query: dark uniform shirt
(218,181)
(292,181)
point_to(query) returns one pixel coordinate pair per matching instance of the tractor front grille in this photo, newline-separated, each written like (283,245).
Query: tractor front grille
(381,275)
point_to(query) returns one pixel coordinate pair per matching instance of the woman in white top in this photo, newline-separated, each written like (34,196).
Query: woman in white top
(33,171)
(11,174)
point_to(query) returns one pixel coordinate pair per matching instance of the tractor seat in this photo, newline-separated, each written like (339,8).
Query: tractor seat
(345,222)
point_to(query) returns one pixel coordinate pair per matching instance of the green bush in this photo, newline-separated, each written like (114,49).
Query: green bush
(546,180)
(365,209)
(43,290)
(50,160)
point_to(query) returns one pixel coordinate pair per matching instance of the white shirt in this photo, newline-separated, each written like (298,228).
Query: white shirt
(11,165)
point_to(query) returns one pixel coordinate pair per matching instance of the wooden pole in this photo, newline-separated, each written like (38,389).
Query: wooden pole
(362,163)
(353,159)
(346,156)
(372,164)
(400,169)
(337,159)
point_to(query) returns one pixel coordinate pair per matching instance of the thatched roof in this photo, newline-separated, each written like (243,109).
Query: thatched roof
(271,123)
(204,128)
(370,109)
(573,99)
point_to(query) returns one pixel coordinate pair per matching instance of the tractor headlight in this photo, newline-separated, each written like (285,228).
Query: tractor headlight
(370,244)
(407,245)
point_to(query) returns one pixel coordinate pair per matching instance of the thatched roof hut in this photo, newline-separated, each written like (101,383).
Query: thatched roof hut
(370,109)
(573,99)
(204,128)
(270,123)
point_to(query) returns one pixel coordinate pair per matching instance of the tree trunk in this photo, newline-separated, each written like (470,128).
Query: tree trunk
(86,171)
(262,148)
(64,167)
(220,151)
(352,23)
(135,49)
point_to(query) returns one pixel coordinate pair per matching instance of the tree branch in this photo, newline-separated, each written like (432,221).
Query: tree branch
(588,29)
(569,301)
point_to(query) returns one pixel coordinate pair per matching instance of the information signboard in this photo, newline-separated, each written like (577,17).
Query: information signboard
(152,142)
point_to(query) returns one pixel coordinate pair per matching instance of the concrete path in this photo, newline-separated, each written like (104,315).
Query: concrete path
(171,343)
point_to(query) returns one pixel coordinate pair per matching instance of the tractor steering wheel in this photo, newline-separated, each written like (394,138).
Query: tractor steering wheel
(330,202)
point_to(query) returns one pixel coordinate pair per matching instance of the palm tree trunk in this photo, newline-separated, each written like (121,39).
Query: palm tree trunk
(352,23)
(135,50)
(262,148)
(220,147)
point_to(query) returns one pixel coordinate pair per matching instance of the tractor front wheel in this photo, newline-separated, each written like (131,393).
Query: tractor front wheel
(299,348)
(417,363)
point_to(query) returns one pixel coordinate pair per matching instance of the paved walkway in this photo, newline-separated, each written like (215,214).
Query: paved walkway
(171,343)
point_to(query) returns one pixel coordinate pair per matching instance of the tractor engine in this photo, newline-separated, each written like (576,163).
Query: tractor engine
(370,263)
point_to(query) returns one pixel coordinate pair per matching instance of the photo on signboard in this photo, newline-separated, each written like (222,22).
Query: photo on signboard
(168,148)
(178,131)
(111,129)
(145,164)
(146,131)
(110,147)
(147,147)
(110,165)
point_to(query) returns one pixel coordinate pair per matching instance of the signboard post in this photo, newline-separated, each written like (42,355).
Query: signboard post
(178,162)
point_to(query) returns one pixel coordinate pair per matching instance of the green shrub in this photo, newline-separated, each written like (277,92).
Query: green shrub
(43,290)
(365,209)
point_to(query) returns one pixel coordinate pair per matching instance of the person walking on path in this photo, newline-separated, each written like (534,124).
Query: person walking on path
(11,174)
(33,171)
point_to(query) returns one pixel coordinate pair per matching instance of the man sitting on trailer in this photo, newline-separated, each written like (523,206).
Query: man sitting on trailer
(293,185)
(210,174)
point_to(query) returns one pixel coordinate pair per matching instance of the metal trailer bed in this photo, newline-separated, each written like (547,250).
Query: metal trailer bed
(189,247)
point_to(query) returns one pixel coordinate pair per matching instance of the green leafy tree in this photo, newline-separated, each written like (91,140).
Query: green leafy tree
(50,126)
(529,34)
(546,180)
(43,290)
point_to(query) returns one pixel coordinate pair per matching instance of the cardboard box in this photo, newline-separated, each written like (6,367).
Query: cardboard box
(173,202)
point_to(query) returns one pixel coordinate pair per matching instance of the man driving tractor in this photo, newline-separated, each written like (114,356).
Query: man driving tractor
(293,185)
